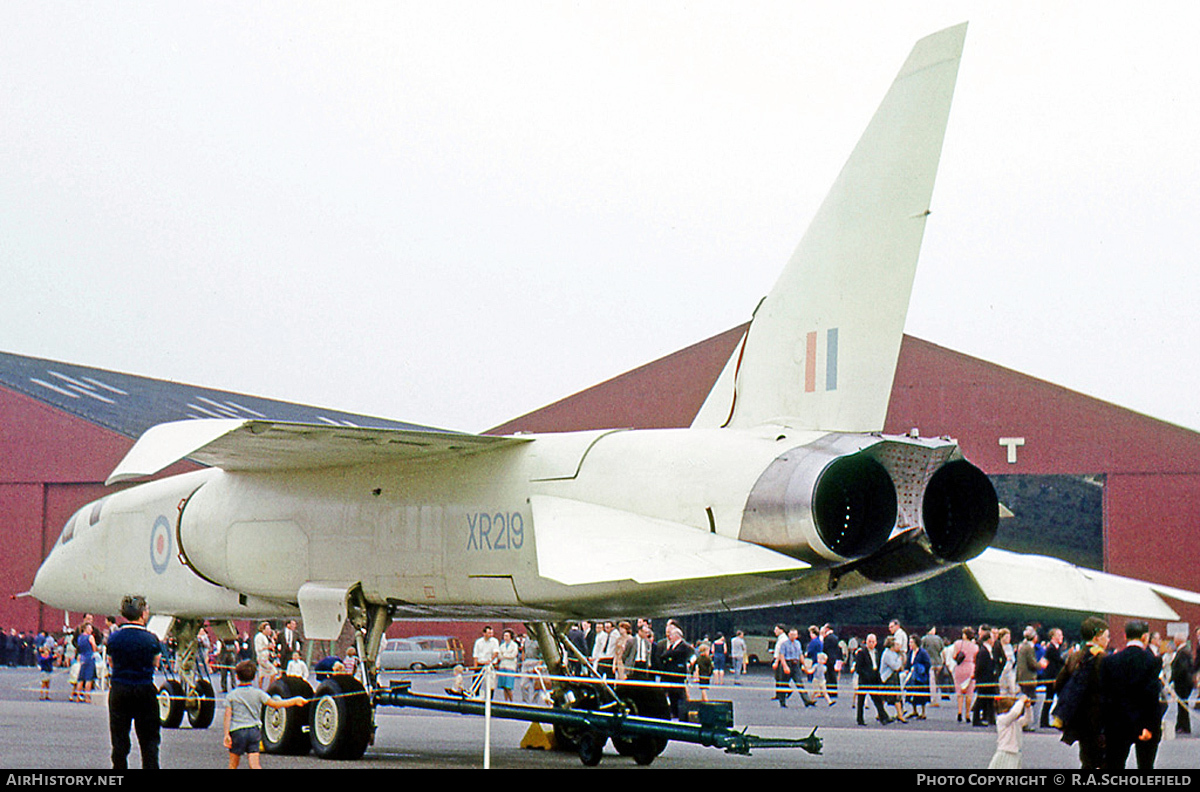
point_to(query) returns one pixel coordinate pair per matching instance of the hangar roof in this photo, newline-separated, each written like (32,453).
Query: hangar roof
(129,404)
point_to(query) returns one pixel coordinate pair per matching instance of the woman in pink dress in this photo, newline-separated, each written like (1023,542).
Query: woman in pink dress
(964,671)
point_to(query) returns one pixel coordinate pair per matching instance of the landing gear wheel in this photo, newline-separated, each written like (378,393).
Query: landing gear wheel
(170,704)
(285,730)
(200,704)
(340,721)
(591,748)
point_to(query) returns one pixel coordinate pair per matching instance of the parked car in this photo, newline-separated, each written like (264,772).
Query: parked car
(759,649)
(420,652)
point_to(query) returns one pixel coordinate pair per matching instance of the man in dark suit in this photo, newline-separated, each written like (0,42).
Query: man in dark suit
(1132,714)
(673,664)
(1080,701)
(287,640)
(575,637)
(1182,669)
(1053,662)
(832,648)
(642,656)
(866,665)
(987,679)
(589,638)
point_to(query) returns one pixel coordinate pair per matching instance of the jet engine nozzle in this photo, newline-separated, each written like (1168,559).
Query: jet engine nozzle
(960,511)
(821,504)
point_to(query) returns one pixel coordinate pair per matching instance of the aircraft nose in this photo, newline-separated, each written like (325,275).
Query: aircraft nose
(51,582)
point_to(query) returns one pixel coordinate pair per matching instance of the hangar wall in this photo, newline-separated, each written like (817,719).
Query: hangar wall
(50,465)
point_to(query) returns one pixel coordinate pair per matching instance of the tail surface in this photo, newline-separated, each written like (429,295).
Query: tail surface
(821,350)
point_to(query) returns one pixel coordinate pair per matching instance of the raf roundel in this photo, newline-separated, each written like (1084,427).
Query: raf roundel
(160,544)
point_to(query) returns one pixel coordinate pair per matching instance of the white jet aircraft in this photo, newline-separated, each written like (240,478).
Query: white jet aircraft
(783,490)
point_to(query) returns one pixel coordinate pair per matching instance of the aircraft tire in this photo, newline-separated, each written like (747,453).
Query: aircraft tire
(201,704)
(340,719)
(170,704)
(285,730)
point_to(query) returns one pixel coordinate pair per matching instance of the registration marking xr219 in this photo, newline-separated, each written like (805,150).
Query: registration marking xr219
(498,531)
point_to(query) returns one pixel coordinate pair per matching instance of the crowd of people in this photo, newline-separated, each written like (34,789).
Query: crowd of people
(81,650)
(1108,702)
(619,651)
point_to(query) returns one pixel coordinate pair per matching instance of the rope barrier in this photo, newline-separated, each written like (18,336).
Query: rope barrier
(672,680)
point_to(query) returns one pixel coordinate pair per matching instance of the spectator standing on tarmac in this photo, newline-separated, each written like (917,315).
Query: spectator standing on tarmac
(704,668)
(935,647)
(793,652)
(486,650)
(675,655)
(530,686)
(226,659)
(737,654)
(46,666)
(623,650)
(1130,688)
(1027,667)
(720,658)
(834,657)
(264,646)
(965,650)
(134,653)
(891,663)
(866,667)
(508,660)
(1052,661)
(86,644)
(1182,669)
(1080,707)
(987,679)
(780,666)
(920,669)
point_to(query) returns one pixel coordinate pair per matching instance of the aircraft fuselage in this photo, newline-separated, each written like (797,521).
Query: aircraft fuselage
(470,535)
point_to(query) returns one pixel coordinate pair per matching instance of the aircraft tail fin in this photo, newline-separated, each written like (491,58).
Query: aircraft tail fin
(821,349)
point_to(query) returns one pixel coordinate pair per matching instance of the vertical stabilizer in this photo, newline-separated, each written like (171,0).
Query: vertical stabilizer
(821,350)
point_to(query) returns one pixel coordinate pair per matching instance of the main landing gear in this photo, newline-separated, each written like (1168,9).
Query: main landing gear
(189,691)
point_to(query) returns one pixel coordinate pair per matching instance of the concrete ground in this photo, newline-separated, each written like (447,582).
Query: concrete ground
(62,735)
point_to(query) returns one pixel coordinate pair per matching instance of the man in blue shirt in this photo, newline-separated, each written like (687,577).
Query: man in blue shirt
(132,698)
(793,653)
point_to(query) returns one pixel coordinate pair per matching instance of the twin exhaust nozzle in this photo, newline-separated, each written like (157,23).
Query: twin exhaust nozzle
(825,506)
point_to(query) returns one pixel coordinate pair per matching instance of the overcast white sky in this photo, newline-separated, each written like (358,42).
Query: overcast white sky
(454,213)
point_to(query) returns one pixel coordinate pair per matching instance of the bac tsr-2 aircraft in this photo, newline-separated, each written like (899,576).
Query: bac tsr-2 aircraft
(782,491)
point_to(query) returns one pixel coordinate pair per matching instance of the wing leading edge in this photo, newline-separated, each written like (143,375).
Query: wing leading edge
(233,444)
